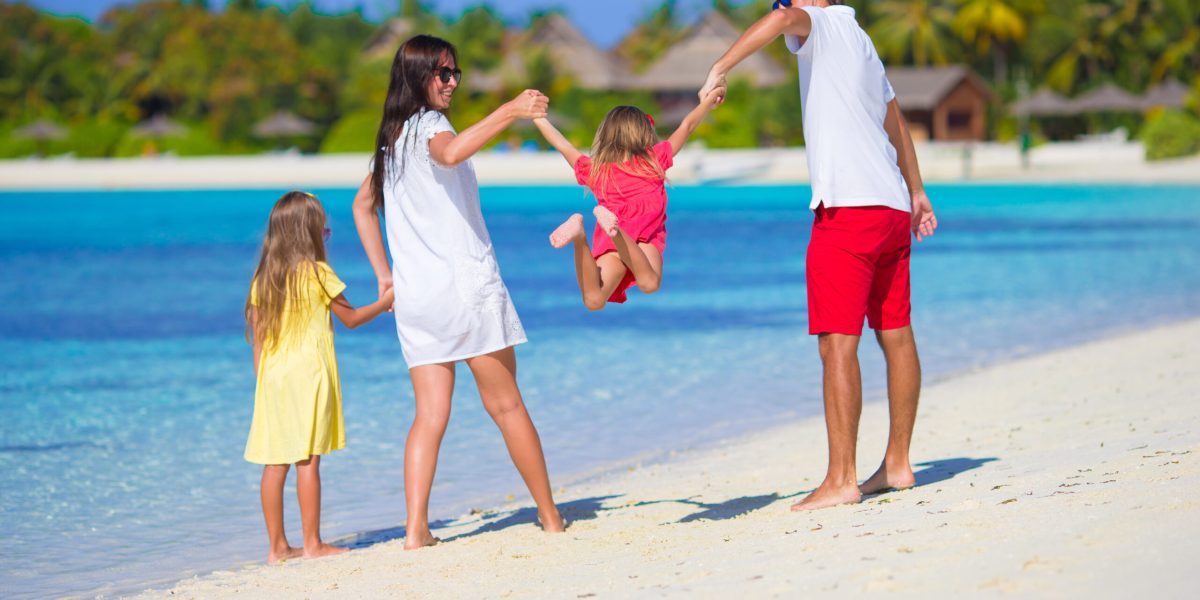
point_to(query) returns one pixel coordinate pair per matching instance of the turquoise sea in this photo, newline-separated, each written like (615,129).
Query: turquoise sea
(126,388)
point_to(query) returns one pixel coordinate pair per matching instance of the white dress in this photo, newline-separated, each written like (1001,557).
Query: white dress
(450,301)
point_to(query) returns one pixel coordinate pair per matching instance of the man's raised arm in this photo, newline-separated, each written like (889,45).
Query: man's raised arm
(784,21)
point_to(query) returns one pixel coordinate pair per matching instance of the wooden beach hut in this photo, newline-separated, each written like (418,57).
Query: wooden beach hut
(942,103)
(680,72)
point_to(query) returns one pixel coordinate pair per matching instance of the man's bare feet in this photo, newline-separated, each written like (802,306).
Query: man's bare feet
(275,557)
(323,549)
(826,496)
(414,541)
(569,231)
(607,220)
(552,523)
(888,480)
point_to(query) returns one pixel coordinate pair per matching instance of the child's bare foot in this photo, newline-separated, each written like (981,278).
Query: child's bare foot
(569,231)
(323,549)
(414,541)
(607,220)
(552,523)
(276,556)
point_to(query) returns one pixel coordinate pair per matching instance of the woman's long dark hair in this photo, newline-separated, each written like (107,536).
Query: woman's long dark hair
(412,69)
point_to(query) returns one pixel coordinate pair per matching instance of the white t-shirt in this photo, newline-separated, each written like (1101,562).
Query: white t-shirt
(844,94)
(450,301)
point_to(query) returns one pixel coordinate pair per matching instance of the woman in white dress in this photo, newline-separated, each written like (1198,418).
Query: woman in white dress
(451,304)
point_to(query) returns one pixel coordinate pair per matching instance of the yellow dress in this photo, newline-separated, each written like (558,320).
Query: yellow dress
(298,397)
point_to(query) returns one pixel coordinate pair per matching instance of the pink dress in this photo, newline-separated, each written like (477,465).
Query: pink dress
(640,205)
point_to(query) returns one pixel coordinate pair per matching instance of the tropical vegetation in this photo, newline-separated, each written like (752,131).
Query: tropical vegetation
(218,73)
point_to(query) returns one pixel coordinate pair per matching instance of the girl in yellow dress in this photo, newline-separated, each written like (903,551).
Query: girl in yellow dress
(298,397)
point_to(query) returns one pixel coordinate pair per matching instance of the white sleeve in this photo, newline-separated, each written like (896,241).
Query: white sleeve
(430,124)
(888,93)
(794,45)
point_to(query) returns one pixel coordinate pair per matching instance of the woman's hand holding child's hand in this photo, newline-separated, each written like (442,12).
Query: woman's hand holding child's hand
(529,104)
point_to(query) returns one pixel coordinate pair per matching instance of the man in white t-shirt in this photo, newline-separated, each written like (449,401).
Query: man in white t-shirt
(867,196)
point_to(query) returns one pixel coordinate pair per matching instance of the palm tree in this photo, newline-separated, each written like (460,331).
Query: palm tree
(991,25)
(916,29)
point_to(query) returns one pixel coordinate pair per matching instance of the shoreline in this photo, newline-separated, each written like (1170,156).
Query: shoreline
(637,532)
(1064,162)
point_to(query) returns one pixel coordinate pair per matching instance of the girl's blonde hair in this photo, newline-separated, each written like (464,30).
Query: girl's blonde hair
(294,241)
(623,141)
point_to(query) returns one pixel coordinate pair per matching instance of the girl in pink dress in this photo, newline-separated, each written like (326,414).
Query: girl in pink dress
(626,172)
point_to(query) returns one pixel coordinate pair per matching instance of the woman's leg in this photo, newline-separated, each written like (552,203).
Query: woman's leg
(643,259)
(308,491)
(597,277)
(496,376)
(271,492)
(432,385)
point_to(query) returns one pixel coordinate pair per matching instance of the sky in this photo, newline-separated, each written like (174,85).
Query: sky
(603,21)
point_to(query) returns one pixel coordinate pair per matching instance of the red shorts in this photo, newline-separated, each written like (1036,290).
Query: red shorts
(858,267)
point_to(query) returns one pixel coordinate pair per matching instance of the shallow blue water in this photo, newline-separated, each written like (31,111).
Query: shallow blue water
(127,390)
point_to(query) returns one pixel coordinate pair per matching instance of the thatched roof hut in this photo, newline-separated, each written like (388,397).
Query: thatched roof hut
(685,66)
(571,53)
(1107,98)
(1168,94)
(388,38)
(40,130)
(158,126)
(1044,103)
(942,103)
(283,124)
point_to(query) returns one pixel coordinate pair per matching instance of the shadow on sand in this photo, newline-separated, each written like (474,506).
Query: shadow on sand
(576,510)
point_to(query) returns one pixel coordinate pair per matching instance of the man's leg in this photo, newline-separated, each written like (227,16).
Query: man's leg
(843,405)
(904,389)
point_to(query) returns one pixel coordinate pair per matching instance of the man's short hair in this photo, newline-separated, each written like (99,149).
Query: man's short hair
(836,2)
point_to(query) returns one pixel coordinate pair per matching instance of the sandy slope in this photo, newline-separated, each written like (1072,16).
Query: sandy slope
(1070,474)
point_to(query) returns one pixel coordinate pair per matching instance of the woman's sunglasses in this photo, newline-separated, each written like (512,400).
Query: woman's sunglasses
(445,73)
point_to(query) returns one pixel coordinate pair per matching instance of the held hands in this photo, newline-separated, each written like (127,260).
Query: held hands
(924,223)
(388,297)
(386,290)
(715,86)
(529,104)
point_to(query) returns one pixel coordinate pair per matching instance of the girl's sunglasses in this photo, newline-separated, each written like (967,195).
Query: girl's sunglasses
(445,73)
(781,4)
(326,233)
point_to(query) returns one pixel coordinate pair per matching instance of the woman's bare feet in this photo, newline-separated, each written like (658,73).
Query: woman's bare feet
(888,480)
(827,495)
(552,523)
(323,549)
(607,220)
(413,541)
(569,231)
(276,556)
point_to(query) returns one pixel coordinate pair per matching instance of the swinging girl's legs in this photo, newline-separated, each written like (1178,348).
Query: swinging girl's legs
(496,376)
(643,259)
(271,491)
(432,386)
(597,277)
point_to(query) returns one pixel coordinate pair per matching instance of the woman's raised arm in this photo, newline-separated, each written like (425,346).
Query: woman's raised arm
(452,150)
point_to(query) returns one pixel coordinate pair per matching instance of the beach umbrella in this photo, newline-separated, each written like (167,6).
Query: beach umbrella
(284,124)
(1168,94)
(1044,103)
(1108,98)
(158,126)
(40,130)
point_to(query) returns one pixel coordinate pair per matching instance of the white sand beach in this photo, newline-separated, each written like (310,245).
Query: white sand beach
(1083,162)
(1070,474)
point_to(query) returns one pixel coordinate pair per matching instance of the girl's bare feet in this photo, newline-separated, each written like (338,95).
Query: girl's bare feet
(552,523)
(607,220)
(323,549)
(414,541)
(569,231)
(276,556)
